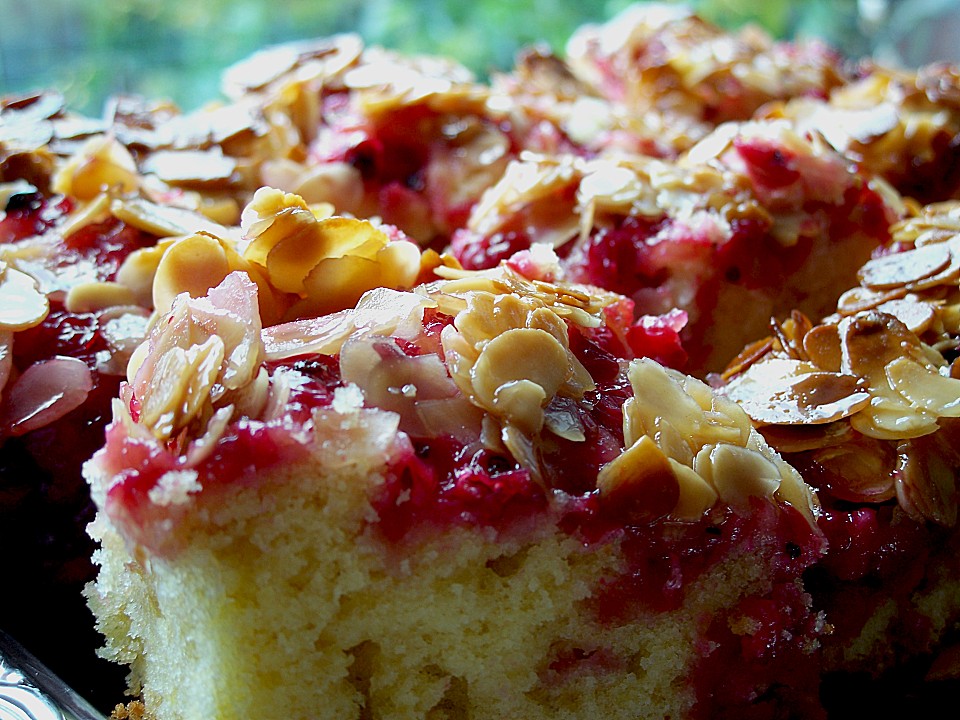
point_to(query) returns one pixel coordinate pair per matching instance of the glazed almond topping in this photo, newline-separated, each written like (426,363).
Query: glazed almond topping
(878,365)
(891,121)
(509,354)
(713,450)
(658,57)
(329,262)
(201,357)
(504,373)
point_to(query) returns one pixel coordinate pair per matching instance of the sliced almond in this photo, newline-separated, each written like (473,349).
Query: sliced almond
(791,392)
(926,482)
(640,483)
(924,387)
(192,264)
(22,305)
(96,296)
(822,347)
(737,473)
(899,269)
(697,496)
(518,372)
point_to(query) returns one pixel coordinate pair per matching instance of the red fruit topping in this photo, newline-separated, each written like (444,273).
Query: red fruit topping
(658,337)
(478,253)
(767,164)
(441,482)
(30,214)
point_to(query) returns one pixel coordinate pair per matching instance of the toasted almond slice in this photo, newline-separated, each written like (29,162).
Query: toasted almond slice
(858,299)
(791,392)
(521,354)
(801,438)
(737,473)
(926,482)
(888,420)
(96,296)
(924,387)
(202,168)
(657,395)
(640,482)
(44,393)
(192,264)
(101,164)
(696,494)
(164,220)
(860,471)
(917,315)
(898,269)
(822,347)
(870,340)
(948,276)
(95,211)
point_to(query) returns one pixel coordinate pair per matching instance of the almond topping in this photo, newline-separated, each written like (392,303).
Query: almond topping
(95,296)
(737,473)
(926,480)
(924,388)
(516,374)
(898,269)
(640,482)
(791,392)
(192,264)
(102,164)
(22,305)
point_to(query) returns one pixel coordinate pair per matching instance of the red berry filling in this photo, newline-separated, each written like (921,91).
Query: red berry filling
(29,214)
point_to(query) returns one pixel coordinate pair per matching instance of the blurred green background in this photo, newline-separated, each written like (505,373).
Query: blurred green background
(177,49)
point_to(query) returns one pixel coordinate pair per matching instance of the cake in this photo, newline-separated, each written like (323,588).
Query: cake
(409,395)
(425,511)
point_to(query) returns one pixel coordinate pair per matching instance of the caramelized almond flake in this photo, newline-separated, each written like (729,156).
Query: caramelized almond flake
(916,315)
(899,269)
(822,347)
(926,482)
(791,392)
(637,480)
(870,340)
(859,299)
(886,420)
(924,387)
(102,163)
(697,496)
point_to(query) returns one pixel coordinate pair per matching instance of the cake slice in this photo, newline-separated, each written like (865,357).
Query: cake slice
(462,500)
(865,405)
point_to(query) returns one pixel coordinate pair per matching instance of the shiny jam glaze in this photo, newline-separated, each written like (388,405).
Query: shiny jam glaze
(29,214)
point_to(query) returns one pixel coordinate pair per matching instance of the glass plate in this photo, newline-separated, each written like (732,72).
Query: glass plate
(30,691)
